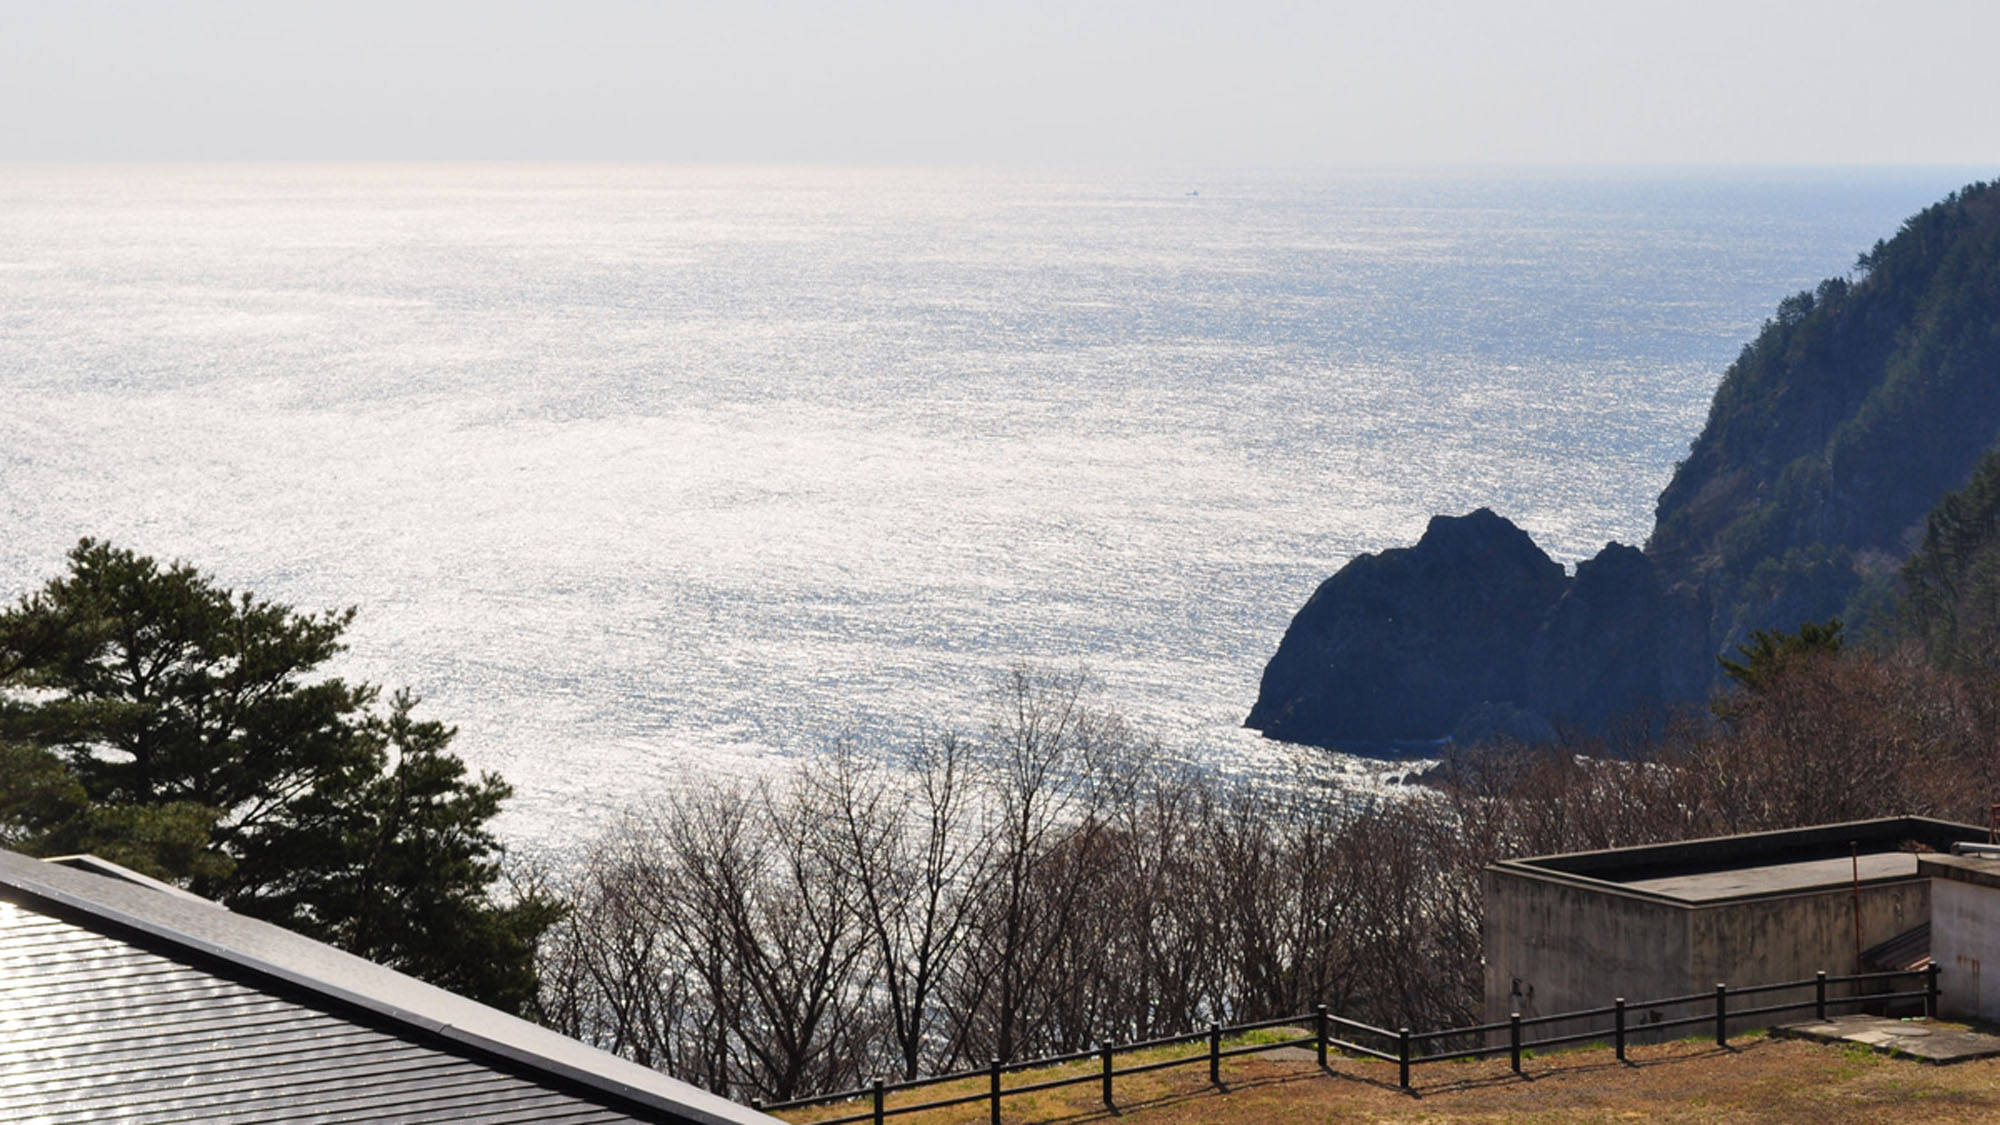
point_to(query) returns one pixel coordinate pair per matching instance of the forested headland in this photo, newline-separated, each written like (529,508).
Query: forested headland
(1824,464)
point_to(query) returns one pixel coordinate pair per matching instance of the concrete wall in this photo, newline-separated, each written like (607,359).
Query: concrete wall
(1552,947)
(1965,938)
(1790,937)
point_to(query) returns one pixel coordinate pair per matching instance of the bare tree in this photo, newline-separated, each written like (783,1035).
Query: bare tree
(774,933)
(911,848)
(611,974)
(1040,774)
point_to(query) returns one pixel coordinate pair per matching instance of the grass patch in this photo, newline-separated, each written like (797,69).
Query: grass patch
(1689,1081)
(1857,1059)
(1063,1102)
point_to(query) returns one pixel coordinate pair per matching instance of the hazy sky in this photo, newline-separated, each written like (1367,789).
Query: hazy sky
(1167,82)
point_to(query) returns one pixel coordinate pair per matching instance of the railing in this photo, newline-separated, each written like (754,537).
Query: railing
(1401,1046)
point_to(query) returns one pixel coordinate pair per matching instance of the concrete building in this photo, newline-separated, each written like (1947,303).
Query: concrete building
(1571,932)
(1965,933)
(125,999)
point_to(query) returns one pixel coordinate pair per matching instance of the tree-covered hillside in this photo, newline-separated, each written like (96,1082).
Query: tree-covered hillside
(1951,585)
(1859,405)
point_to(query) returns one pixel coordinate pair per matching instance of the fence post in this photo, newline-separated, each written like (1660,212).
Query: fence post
(878,1101)
(1514,1040)
(1319,1031)
(1618,1026)
(993,1075)
(1105,1052)
(1930,991)
(1722,1015)
(1819,995)
(1215,1054)
(1403,1054)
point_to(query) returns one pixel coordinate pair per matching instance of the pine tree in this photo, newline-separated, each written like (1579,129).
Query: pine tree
(170,724)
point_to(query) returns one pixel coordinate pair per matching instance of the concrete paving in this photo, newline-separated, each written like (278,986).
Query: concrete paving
(1926,1040)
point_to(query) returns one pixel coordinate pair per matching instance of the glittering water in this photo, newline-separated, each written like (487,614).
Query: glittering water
(646,476)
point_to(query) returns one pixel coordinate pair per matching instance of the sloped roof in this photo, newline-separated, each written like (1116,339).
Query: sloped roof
(119,1001)
(1906,952)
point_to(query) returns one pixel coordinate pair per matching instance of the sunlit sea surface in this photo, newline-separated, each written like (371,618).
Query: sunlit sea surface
(651,477)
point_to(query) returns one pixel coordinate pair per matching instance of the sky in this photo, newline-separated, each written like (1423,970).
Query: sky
(1249,83)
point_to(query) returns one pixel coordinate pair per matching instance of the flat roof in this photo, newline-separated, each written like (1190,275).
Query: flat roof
(1979,870)
(1774,878)
(1755,864)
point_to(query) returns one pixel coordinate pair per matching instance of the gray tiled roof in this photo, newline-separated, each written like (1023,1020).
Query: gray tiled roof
(120,1003)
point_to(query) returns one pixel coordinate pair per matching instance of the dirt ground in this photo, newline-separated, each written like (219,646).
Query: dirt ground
(1755,1079)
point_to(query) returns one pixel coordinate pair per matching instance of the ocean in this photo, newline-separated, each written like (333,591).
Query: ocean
(656,477)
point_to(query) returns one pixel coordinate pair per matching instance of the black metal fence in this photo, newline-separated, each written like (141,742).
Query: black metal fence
(1401,1046)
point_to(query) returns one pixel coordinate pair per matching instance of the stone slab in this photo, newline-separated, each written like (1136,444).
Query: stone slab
(1924,1040)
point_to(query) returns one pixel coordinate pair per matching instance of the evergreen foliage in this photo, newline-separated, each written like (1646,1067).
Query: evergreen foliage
(1858,405)
(1951,585)
(1769,656)
(187,731)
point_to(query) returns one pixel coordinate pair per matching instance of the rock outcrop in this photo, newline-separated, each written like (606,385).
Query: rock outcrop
(1473,633)
(1402,644)
(1604,649)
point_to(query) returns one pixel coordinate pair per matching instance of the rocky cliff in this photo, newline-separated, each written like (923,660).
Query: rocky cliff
(1475,632)
(1858,407)
(1401,644)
